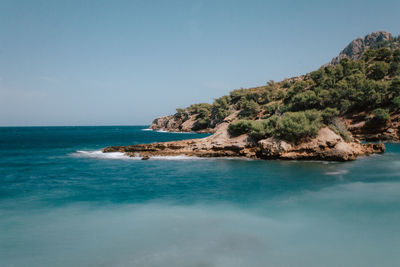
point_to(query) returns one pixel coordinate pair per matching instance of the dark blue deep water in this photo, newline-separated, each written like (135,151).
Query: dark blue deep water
(64,203)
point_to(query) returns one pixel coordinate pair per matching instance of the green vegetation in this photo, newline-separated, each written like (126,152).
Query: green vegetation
(220,109)
(293,126)
(380,116)
(203,111)
(296,108)
(329,114)
(258,129)
(396,102)
(290,126)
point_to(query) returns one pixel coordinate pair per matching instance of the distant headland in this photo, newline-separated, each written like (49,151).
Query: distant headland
(327,114)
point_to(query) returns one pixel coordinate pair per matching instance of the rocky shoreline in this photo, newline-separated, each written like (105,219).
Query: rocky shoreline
(327,145)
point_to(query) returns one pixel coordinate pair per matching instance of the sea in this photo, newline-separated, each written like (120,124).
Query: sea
(65,203)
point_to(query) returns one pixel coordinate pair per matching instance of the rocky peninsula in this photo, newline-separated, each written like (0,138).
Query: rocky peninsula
(328,114)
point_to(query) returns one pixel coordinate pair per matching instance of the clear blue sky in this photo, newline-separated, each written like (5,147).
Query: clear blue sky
(127,62)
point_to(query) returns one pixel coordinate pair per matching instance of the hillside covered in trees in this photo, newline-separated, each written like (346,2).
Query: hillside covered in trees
(364,89)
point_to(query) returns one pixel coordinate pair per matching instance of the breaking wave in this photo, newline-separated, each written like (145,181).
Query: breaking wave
(118,155)
(99,154)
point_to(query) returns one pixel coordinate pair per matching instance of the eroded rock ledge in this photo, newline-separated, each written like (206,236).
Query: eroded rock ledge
(326,146)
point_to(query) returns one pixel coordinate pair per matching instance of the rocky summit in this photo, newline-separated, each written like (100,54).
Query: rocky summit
(355,49)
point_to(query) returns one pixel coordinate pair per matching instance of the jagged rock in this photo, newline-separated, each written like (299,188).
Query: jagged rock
(355,49)
(326,146)
(172,124)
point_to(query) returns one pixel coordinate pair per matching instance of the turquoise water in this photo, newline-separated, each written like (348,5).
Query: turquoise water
(63,203)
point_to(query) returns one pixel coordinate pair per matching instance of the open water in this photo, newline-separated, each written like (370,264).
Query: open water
(64,203)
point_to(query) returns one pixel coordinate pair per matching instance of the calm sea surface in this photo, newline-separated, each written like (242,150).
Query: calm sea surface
(64,203)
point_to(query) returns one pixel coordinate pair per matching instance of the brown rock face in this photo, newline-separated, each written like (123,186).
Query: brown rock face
(171,124)
(355,49)
(359,128)
(326,146)
(168,123)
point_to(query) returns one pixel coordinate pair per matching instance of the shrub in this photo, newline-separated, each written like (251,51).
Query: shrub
(220,109)
(249,109)
(293,126)
(380,116)
(344,105)
(263,128)
(351,67)
(240,127)
(304,100)
(201,124)
(369,54)
(383,54)
(396,55)
(180,113)
(396,101)
(394,87)
(394,69)
(378,70)
(318,76)
(203,113)
(257,129)
(329,114)
(271,108)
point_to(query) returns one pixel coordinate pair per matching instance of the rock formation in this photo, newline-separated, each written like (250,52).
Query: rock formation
(172,124)
(326,146)
(274,99)
(360,129)
(355,49)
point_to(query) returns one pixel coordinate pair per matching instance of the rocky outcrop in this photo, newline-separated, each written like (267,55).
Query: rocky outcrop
(359,127)
(220,144)
(186,123)
(355,49)
(168,123)
(326,146)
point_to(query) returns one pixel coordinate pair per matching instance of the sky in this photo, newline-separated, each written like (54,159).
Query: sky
(128,62)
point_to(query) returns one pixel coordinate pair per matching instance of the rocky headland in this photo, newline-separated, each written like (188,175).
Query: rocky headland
(328,114)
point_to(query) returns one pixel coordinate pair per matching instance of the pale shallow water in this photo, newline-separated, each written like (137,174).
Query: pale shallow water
(64,203)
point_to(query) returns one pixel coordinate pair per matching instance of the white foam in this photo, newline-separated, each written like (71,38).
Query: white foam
(165,131)
(100,155)
(147,129)
(339,172)
(118,155)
